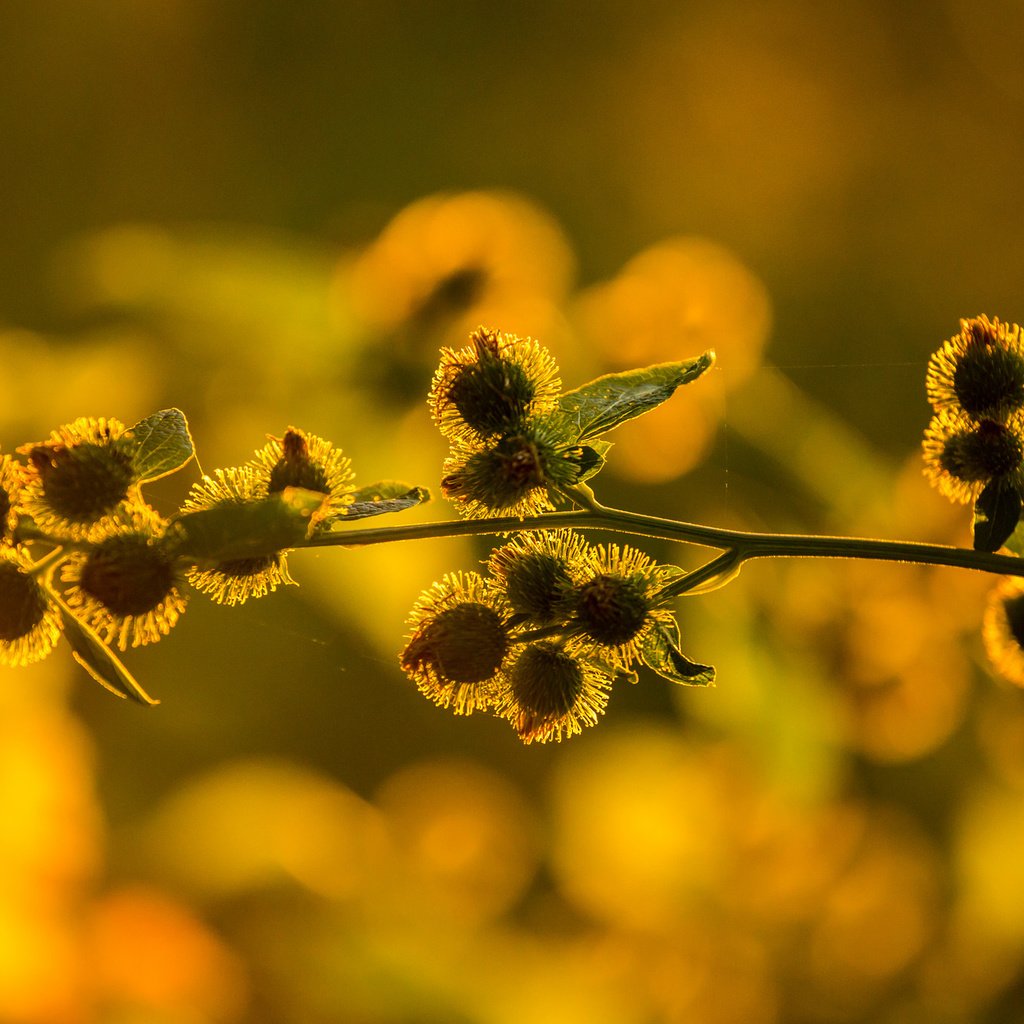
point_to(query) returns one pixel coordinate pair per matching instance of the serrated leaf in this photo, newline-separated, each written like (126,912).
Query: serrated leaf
(604,403)
(162,444)
(99,660)
(996,515)
(380,498)
(253,529)
(660,653)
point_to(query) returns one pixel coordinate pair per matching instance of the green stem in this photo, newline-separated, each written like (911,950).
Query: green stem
(43,566)
(710,576)
(742,545)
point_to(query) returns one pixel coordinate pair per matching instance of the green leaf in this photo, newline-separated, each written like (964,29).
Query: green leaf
(1015,542)
(660,653)
(252,529)
(162,444)
(604,403)
(380,498)
(996,515)
(588,459)
(99,660)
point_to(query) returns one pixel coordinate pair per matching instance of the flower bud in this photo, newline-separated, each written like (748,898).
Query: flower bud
(128,585)
(538,573)
(611,609)
(30,622)
(979,371)
(79,478)
(308,461)
(553,692)
(459,642)
(493,386)
(962,455)
(234,580)
(617,605)
(10,496)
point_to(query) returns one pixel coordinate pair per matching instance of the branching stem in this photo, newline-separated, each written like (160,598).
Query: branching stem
(737,546)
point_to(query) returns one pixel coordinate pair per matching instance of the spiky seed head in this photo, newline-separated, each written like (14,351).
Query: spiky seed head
(22,603)
(979,371)
(990,450)
(464,644)
(30,621)
(546,681)
(84,482)
(500,479)
(128,574)
(493,386)
(295,468)
(612,609)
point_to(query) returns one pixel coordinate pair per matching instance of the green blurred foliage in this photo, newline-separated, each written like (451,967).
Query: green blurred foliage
(270,214)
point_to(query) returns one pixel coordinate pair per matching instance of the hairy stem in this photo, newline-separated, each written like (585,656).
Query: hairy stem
(740,546)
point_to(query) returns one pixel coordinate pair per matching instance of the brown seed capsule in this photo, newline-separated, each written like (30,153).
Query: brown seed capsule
(979,371)
(611,609)
(554,692)
(492,387)
(465,644)
(30,621)
(962,455)
(22,604)
(459,643)
(79,478)
(128,587)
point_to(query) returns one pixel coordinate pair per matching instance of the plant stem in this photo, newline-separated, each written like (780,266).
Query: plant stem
(742,546)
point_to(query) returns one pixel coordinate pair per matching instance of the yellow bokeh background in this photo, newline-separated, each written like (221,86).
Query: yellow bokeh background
(272,214)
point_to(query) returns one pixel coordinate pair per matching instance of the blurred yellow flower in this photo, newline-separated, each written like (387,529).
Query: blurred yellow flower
(450,261)
(466,839)
(681,296)
(152,956)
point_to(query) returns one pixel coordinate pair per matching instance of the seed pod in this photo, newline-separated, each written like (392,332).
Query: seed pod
(962,455)
(80,478)
(979,371)
(128,586)
(538,572)
(553,693)
(459,642)
(493,387)
(305,460)
(30,622)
